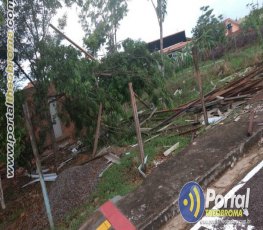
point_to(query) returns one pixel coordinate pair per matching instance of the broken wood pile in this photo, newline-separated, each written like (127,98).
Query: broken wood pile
(237,90)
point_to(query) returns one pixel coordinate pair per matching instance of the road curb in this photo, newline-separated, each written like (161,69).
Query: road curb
(229,161)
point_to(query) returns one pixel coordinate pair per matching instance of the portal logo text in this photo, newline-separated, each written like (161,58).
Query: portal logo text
(192,203)
(9,97)
(231,206)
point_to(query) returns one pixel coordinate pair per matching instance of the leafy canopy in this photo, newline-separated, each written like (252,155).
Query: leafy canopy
(255,18)
(209,30)
(100,20)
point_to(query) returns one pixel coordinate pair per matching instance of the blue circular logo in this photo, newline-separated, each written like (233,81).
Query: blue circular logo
(191,202)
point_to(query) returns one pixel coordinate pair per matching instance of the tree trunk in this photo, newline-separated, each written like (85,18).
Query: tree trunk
(161,46)
(161,37)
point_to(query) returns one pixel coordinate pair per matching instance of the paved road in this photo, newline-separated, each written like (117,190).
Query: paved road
(254,218)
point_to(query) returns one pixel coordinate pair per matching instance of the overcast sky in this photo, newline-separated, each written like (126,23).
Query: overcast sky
(141,22)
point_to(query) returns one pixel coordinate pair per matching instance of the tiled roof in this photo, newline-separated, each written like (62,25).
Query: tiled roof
(175,47)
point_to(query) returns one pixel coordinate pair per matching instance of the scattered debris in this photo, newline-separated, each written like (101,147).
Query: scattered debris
(237,118)
(47,177)
(103,151)
(156,163)
(77,148)
(64,163)
(108,166)
(147,140)
(140,167)
(170,150)
(229,96)
(44,175)
(148,118)
(178,92)
(112,158)
(212,120)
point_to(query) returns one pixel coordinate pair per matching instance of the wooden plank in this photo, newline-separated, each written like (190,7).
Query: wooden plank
(170,150)
(112,158)
(137,126)
(148,118)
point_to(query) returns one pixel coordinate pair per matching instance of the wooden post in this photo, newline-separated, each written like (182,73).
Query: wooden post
(38,164)
(137,126)
(2,195)
(97,134)
(200,83)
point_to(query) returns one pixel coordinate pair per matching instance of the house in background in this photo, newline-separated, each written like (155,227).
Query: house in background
(172,43)
(232,27)
(64,131)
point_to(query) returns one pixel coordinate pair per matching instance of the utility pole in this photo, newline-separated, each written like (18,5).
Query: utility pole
(38,164)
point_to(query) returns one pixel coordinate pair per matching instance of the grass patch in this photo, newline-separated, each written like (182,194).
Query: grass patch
(212,72)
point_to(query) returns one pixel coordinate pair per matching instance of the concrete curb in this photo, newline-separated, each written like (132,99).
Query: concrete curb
(229,161)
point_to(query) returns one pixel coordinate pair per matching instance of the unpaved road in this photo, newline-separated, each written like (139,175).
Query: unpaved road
(225,183)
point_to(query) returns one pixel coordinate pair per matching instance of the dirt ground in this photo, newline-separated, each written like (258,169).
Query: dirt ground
(74,184)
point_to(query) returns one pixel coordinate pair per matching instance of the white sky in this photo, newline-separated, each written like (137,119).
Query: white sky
(141,22)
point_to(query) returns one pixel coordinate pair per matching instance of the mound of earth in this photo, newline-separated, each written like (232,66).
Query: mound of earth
(73,186)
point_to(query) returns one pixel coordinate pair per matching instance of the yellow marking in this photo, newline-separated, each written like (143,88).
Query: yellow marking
(104,226)
(185,202)
(197,202)
(191,202)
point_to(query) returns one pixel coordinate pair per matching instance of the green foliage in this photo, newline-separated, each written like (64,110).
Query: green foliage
(161,9)
(2,18)
(86,87)
(254,21)
(20,132)
(209,31)
(100,20)
(32,20)
(184,58)
(135,64)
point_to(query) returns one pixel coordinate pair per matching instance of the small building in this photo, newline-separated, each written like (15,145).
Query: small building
(64,131)
(232,27)
(172,43)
